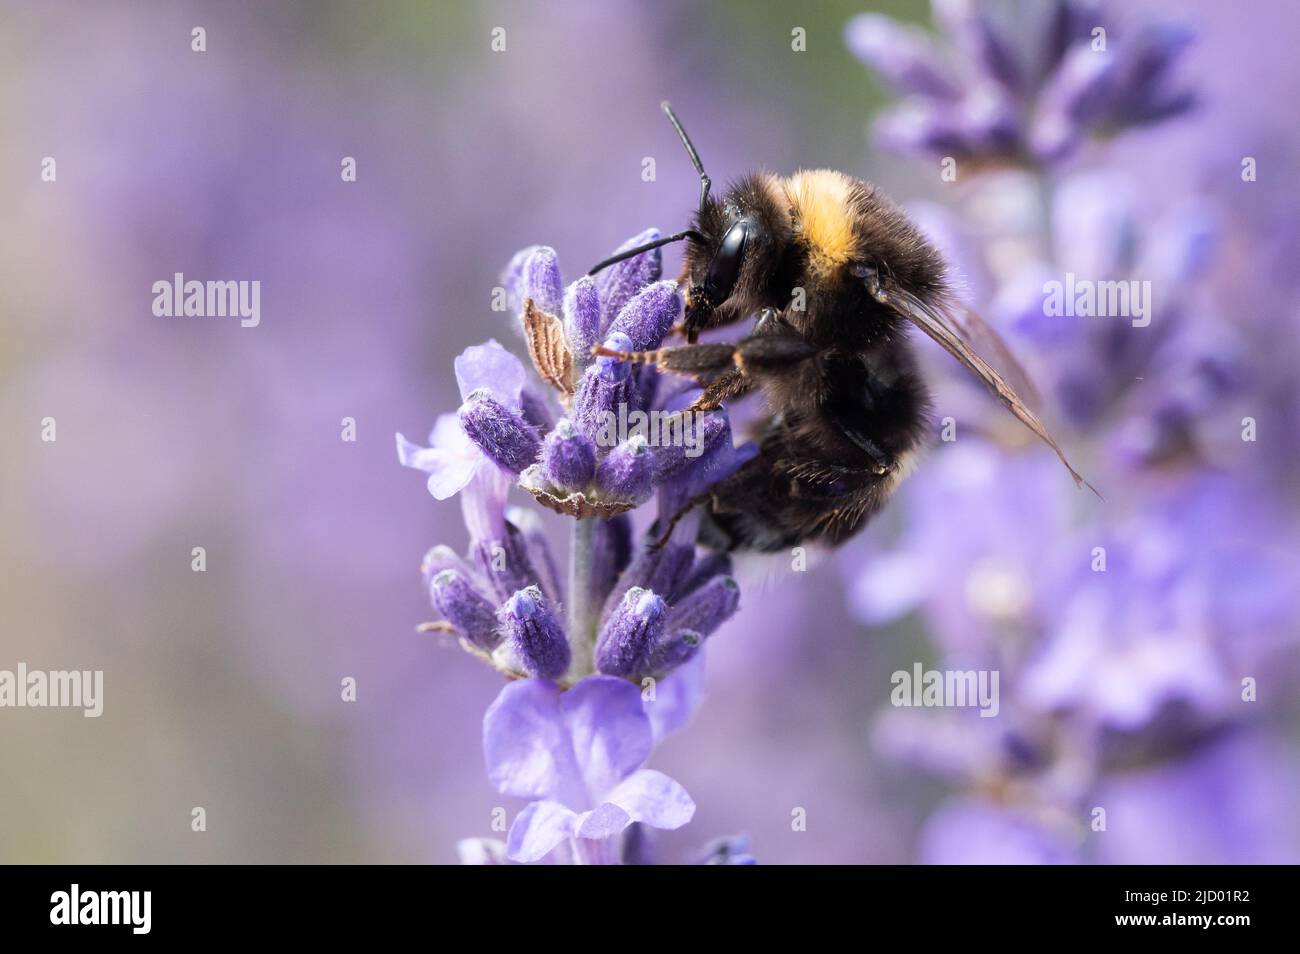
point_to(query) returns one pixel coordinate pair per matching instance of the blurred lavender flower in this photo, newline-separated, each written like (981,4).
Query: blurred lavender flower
(572,733)
(1017,84)
(1139,642)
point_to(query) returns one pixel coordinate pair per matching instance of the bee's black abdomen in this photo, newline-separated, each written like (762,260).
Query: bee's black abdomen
(830,460)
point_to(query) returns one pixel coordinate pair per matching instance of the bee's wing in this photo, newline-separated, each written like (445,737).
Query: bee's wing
(936,323)
(984,339)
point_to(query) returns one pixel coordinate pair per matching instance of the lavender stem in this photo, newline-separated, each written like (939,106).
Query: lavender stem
(582,609)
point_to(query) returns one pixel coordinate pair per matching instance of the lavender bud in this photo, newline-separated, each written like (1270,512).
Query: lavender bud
(606,386)
(983,40)
(716,563)
(536,412)
(539,280)
(904,56)
(535,635)
(512,278)
(1076,94)
(613,552)
(542,558)
(627,470)
(620,282)
(925,128)
(676,648)
(439,558)
(505,562)
(708,607)
(631,634)
(700,434)
(499,432)
(568,456)
(649,315)
(582,316)
(465,608)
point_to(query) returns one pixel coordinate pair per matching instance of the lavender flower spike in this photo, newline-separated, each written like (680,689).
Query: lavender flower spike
(534,637)
(632,634)
(465,608)
(500,433)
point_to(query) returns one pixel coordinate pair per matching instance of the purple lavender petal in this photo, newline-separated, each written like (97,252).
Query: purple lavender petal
(540,280)
(582,316)
(649,316)
(904,56)
(618,283)
(631,634)
(527,747)
(483,504)
(501,434)
(609,729)
(535,634)
(492,368)
(451,461)
(538,830)
(568,456)
(465,608)
(708,607)
(676,698)
(653,799)
(603,822)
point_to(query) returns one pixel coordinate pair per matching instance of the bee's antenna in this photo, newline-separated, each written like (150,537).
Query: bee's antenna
(638,249)
(705,181)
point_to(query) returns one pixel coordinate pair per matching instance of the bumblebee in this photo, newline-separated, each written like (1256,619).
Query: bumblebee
(836,274)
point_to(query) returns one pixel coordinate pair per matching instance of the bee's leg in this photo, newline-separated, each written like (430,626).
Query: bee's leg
(688,360)
(727,386)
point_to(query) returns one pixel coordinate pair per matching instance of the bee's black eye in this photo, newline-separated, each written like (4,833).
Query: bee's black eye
(724,269)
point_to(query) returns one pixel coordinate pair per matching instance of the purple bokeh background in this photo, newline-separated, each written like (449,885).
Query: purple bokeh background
(222,688)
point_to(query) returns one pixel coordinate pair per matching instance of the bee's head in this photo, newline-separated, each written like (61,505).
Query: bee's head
(712,270)
(733,254)
(736,242)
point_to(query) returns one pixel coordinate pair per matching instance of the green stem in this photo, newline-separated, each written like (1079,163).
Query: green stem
(582,611)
